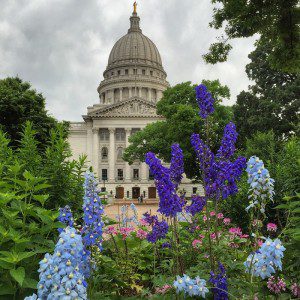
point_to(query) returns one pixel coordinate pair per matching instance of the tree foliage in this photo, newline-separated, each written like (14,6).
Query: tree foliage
(272,103)
(20,103)
(180,110)
(276,21)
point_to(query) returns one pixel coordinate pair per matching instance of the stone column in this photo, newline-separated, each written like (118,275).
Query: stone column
(95,162)
(121,94)
(89,142)
(111,154)
(144,171)
(127,166)
(130,92)
(140,92)
(159,95)
(149,94)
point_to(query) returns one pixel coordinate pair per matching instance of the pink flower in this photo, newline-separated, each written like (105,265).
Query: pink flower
(141,234)
(244,236)
(276,285)
(235,231)
(295,288)
(204,218)
(196,244)
(220,216)
(226,221)
(125,231)
(271,227)
(111,230)
(197,227)
(201,236)
(213,236)
(212,213)
(163,289)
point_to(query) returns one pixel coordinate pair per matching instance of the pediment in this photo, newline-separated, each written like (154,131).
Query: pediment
(135,107)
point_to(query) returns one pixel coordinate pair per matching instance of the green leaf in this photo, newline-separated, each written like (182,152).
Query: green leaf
(41,186)
(41,198)
(28,176)
(18,275)
(6,290)
(30,283)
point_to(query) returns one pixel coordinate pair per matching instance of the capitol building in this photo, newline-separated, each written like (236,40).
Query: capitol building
(134,80)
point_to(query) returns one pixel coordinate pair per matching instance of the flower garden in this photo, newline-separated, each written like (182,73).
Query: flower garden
(188,249)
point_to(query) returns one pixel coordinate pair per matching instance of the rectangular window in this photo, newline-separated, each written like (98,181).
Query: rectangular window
(144,72)
(104,174)
(151,177)
(151,73)
(119,72)
(135,130)
(120,174)
(194,190)
(120,134)
(135,174)
(126,72)
(104,134)
(134,71)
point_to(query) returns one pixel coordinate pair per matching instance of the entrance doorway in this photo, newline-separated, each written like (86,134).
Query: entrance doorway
(135,192)
(152,192)
(119,192)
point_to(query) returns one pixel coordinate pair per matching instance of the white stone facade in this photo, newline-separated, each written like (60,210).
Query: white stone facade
(134,81)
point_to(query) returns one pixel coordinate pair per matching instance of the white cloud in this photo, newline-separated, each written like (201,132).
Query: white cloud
(62,47)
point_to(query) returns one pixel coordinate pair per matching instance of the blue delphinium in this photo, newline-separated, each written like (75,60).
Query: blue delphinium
(170,203)
(205,101)
(159,231)
(66,217)
(124,217)
(264,262)
(191,287)
(177,164)
(229,139)
(60,273)
(92,213)
(261,184)
(219,282)
(197,205)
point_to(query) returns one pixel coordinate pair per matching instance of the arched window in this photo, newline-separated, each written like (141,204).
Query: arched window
(119,153)
(104,153)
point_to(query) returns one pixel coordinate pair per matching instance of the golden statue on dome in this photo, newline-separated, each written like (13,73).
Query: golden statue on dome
(134,7)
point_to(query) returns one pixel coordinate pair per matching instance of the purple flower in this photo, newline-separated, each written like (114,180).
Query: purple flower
(227,148)
(159,231)
(176,167)
(219,282)
(205,101)
(170,203)
(150,219)
(166,245)
(196,206)
(66,217)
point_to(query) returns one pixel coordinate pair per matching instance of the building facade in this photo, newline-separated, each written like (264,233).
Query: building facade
(134,81)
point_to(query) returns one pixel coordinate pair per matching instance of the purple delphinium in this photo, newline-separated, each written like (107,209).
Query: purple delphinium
(196,206)
(170,203)
(205,101)
(150,219)
(229,139)
(176,167)
(220,176)
(219,282)
(66,217)
(159,231)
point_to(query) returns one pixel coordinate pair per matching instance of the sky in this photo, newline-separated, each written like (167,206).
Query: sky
(62,46)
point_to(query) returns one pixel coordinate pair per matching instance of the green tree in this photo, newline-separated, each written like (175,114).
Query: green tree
(179,107)
(272,103)
(20,103)
(276,21)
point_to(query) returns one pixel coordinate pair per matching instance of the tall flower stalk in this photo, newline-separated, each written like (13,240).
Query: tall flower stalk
(92,219)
